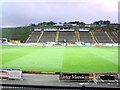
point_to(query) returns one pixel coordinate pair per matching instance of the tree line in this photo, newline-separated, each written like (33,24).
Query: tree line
(52,23)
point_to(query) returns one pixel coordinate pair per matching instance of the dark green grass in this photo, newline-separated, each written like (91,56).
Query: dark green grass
(61,59)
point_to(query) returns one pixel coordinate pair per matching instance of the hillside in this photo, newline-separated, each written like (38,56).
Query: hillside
(19,33)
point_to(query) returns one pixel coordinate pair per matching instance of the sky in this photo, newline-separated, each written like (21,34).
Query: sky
(25,12)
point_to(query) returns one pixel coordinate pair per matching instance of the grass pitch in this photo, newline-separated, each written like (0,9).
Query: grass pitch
(61,59)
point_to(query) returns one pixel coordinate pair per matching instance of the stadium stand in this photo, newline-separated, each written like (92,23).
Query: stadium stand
(114,37)
(102,37)
(116,33)
(85,37)
(73,36)
(66,35)
(33,37)
(48,36)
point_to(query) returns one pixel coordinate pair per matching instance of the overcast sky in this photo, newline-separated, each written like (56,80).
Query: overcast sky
(25,12)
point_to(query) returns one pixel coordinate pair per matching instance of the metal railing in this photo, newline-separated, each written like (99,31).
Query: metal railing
(41,87)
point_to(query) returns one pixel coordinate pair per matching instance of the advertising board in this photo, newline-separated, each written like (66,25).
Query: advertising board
(11,73)
(74,76)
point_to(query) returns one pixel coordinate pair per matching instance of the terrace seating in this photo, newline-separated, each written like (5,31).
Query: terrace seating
(113,37)
(67,35)
(86,37)
(34,37)
(82,36)
(48,36)
(102,37)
